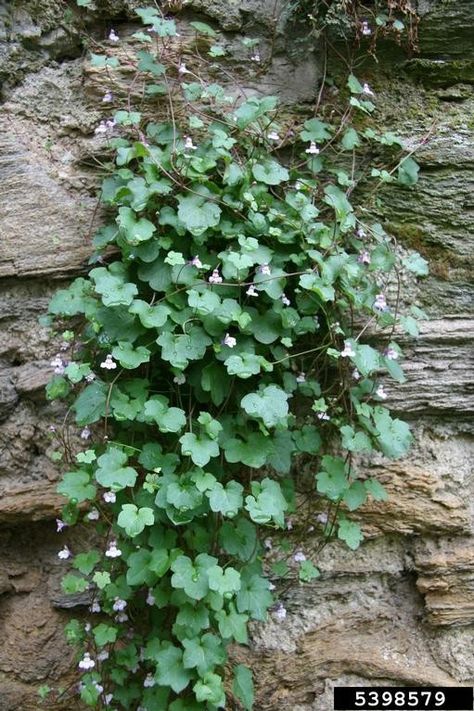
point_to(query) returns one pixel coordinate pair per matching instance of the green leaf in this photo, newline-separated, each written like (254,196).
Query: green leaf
(243,686)
(354,84)
(355,441)
(130,357)
(270,172)
(210,689)
(135,231)
(203,28)
(416,264)
(101,578)
(113,288)
(367,360)
(86,562)
(253,452)
(104,634)
(252,109)
(239,538)
(91,404)
(308,572)
(332,481)
(232,625)
(350,139)
(134,519)
(168,419)
(355,496)
(72,584)
(267,502)
(203,654)
(197,213)
(408,171)
(57,388)
(350,533)
(393,435)
(111,473)
(201,449)
(101,61)
(375,489)
(223,581)
(269,405)
(128,118)
(77,486)
(245,365)
(254,597)
(179,350)
(192,578)
(315,130)
(169,668)
(150,316)
(226,500)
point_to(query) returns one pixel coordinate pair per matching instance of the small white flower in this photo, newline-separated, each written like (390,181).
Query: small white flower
(391,354)
(215,277)
(119,604)
(299,185)
(271,586)
(121,617)
(108,363)
(273,136)
(285,300)
(361,233)
(268,544)
(149,681)
(87,627)
(103,655)
(90,377)
(93,515)
(60,525)
(113,36)
(86,433)
(86,662)
(58,365)
(52,428)
(196,262)
(150,598)
(100,129)
(310,529)
(380,304)
(322,518)
(289,525)
(64,346)
(365,28)
(323,416)
(265,269)
(380,392)
(301,378)
(299,557)
(112,551)
(179,379)
(367,90)
(364,257)
(251,291)
(188,144)
(229,341)
(182,69)
(348,351)
(280,612)
(108,97)
(109,497)
(313,149)
(64,553)
(95,607)
(255,57)
(356,374)
(108,699)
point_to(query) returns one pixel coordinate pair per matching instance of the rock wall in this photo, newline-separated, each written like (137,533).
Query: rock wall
(401,609)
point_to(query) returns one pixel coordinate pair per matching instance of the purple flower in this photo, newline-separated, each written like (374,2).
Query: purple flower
(215,277)
(299,557)
(322,518)
(95,607)
(150,598)
(364,257)
(58,364)
(391,354)
(182,69)
(60,525)
(108,97)
(265,269)
(86,433)
(112,551)
(109,497)
(119,604)
(93,515)
(380,392)
(196,262)
(280,612)
(113,36)
(365,28)
(380,304)
(90,377)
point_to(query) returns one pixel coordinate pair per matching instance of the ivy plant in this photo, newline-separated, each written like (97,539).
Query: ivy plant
(238,315)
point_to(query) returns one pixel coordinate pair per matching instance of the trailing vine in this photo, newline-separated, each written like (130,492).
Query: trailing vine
(240,311)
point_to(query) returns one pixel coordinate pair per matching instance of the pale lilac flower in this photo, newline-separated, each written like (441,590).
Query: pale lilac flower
(255,57)
(112,551)
(95,607)
(196,262)
(93,515)
(380,392)
(104,127)
(265,269)
(229,341)
(90,377)
(215,277)
(348,351)
(364,257)
(323,416)
(313,149)
(58,364)
(299,557)
(356,374)
(86,433)
(119,604)
(310,529)
(188,144)
(268,544)
(280,612)
(273,136)
(86,662)
(391,354)
(285,300)
(121,617)
(149,681)
(99,687)
(108,97)
(109,497)
(64,346)
(367,90)
(108,699)
(64,553)
(380,304)
(322,518)
(113,36)
(179,379)
(365,28)
(361,233)
(52,428)
(251,291)
(289,525)
(87,627)
(108,363)
(301,378)
(271,586)
(103,655)
(60,525)
(182,69)
(150,598)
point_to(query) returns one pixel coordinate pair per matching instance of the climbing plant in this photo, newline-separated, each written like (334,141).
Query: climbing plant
(240,310)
